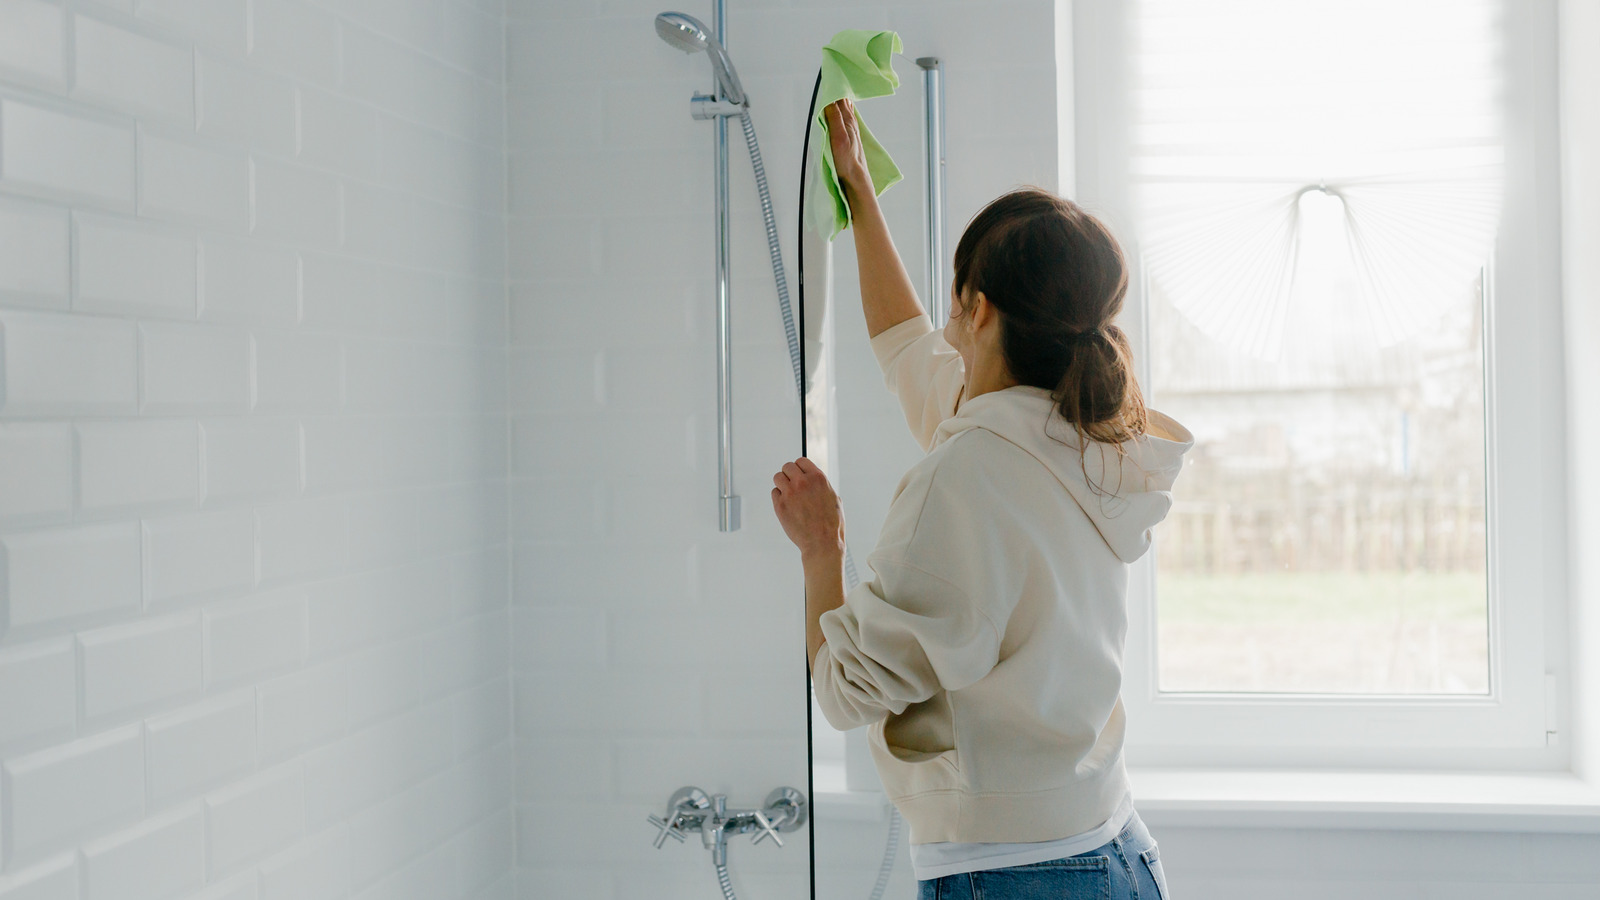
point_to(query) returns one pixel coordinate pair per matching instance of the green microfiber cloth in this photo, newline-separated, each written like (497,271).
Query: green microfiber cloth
(855,64)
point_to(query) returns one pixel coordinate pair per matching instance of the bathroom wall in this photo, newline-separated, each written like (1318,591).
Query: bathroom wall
(652,651)
(253,562)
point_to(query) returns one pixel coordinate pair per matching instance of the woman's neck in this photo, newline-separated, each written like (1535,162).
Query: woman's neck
(988,373)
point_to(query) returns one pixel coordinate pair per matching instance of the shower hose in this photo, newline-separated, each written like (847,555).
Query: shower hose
(792,337)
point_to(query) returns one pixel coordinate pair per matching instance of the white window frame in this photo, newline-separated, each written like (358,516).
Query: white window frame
(1516,725)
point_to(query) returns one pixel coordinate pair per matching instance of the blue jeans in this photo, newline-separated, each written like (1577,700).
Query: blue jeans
(1127,868)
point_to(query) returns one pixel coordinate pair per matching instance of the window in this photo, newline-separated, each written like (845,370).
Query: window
(1325,203)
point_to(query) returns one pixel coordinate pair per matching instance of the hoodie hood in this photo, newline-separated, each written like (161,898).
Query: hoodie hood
(1124,494)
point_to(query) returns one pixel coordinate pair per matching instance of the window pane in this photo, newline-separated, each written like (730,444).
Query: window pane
(1318,187)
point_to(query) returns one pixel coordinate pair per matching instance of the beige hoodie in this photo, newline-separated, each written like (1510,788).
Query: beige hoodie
(986,653)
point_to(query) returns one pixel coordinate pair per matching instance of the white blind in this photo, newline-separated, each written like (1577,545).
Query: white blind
(1356,144)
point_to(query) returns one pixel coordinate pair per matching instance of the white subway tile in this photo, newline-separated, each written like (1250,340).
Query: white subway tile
(133,72)
(317,869)
(249,638)
(199,747)
(394,856)
(473,42)
(194,368)
(486,853)
(161,858)
(344,613)
(131,466)
(52,576)
(248,820)
(383,681)
(340,453)
(411,24)
(185,181)
(295,38)
(383,529)
(407,82)
(623,702)
(299,372)
(250,458)
(194,555)
(338,133)
(35,472)
(369,765)
(126,266)
(296,204)
(386,375)
(303,710)
(422,161)
(67,365)
(400,831)
(33,45)
(38,691)
(220,23)
(563,768)
(128,667)
(56,154)
(34,255)
(481,717)
(560,637)
(466,653)
(58,796)
(239,887)
(481,580)
(246,106)
(382,223)
(303,538)
(248,281)
(53,879)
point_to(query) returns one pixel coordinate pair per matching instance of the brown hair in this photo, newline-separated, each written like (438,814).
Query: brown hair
(1058,279)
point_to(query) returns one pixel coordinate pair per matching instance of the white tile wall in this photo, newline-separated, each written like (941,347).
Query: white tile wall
(136,666)
(127,267)
(233,641)
(56,796)
(33,45)
(49,151)
(56,879)
(256,526)
(125,70)
(199,747)
(57,364)
(162,857)
(33,255)
(137,465)
(35,472)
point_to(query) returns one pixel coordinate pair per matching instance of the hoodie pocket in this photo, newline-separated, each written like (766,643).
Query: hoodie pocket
(925,732)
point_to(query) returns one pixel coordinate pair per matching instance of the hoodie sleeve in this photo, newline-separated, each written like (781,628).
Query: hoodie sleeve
(930,619)
(923,372)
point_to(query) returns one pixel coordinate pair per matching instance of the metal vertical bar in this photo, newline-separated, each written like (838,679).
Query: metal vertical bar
(728,505)
(933,148)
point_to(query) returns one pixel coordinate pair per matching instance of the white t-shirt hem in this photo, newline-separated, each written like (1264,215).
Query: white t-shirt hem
(930,861)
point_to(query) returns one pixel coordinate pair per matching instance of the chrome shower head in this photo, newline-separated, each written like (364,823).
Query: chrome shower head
(689,34)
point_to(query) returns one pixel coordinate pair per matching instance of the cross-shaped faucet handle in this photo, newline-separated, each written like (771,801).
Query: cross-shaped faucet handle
(668,829)
(767,829)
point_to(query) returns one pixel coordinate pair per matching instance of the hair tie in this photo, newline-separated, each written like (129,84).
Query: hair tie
(1084,337)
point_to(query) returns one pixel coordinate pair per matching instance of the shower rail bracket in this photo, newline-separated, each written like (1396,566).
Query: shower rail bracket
(693,810)
(710,106)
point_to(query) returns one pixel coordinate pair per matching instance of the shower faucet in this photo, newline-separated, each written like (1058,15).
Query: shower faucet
(692,809)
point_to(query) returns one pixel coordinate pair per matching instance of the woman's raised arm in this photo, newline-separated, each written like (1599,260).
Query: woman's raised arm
(887,295)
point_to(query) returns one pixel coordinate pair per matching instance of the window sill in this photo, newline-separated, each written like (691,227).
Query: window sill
(1553,802)
(1423,801)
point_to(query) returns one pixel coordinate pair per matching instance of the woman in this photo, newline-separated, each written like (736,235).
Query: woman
(986,653)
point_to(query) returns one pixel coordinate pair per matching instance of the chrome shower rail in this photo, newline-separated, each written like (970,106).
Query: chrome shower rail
(933,148)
